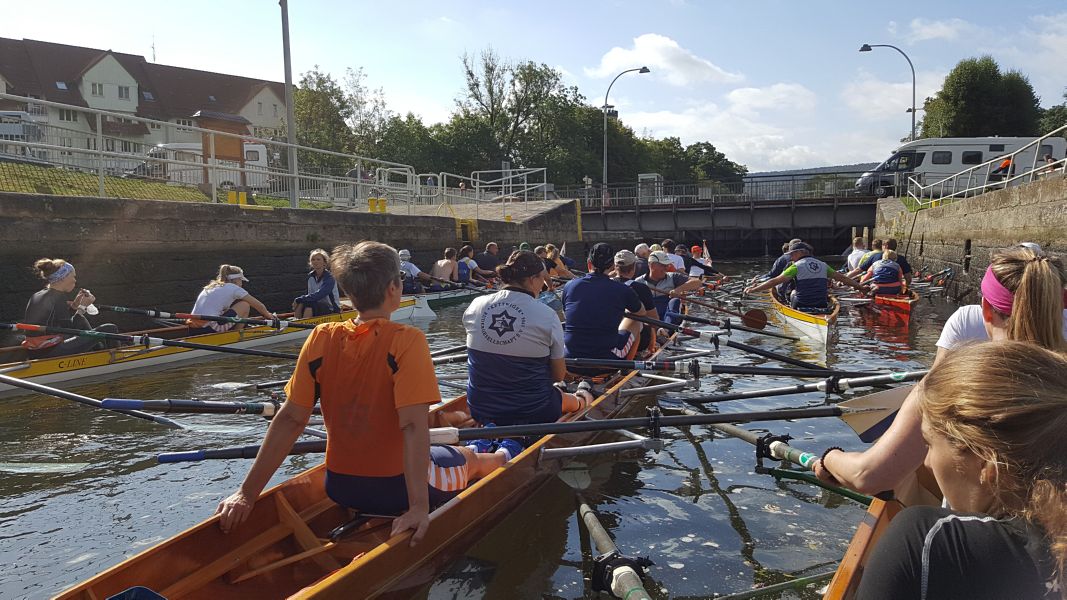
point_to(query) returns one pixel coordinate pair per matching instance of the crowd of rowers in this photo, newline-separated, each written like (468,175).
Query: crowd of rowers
(986,424)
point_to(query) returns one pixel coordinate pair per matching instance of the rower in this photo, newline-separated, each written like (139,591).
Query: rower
(859,248)
(641,251)
(782,261)
(561,269)
(695,267)
(515,351)
(868,257)
(322,297)
(550,267)
(671,248)
(414,278)
(375,382)
(595,307)
(625,270)
(446,269)
(671,286)
(885,275)
(468,269)
(811,275)
(225,296)
(992,419)
(489,260)
(55,306)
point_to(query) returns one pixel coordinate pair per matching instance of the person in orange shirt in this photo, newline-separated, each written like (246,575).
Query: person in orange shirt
(375,381)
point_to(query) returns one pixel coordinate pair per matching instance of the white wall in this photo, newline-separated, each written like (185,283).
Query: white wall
(268,118)
(110,73)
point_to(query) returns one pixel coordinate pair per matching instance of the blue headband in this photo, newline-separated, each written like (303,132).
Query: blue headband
(61,272)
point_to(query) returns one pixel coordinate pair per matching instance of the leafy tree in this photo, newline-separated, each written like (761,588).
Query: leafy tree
(1053,118)
(978,100)
(321,112)
(408,141)
(668,158)
(710,164)
(369,114)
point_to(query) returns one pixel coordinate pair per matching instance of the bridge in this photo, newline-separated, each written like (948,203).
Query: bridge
(749,217)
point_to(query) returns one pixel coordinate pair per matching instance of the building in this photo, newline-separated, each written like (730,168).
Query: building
(129,84)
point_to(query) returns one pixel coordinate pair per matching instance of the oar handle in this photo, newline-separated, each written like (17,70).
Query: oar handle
(308,447)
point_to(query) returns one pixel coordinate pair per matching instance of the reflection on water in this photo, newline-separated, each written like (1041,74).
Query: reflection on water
(81,489)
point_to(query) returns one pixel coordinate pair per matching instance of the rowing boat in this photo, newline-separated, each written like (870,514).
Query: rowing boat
(899,304)
(815,326)
(102,364)
(442,298)
(279,551)
(847,577)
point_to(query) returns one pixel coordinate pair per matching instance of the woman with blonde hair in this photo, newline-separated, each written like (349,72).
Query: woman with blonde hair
(57,306)
(225,296)
(993,417)
(322,297)
(1022,300)
(561,270)
(885,275)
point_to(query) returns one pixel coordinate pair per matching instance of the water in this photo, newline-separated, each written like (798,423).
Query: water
(81,489)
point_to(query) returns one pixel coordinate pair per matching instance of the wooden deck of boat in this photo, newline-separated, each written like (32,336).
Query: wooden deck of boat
(847,578)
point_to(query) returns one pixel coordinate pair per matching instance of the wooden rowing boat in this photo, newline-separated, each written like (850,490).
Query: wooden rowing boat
(847,577)
(899,304)
(103,364)
(280,548)
(816,327)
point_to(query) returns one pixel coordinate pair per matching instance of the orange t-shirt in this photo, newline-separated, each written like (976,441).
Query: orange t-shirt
(361,374)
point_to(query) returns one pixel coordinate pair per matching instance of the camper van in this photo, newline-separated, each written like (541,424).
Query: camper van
(17,126)
(930,160)
(256,175)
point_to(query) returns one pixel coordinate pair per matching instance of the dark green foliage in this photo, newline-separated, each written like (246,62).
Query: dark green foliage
(978,100)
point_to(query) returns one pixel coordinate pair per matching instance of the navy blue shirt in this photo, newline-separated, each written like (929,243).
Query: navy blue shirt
(593,307)
(778,266)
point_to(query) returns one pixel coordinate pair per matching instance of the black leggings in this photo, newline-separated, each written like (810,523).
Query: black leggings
(77,345)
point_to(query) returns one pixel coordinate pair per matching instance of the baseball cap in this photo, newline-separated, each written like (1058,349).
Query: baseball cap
(681,250)
(602,256)
(1035,248)
(625,258)
(659,257)
(240,274)
(798,246)
(524,246)
(695,250)
(405,254)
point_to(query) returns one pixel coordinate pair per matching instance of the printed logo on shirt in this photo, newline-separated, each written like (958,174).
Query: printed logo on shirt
(502,323)
(813,266)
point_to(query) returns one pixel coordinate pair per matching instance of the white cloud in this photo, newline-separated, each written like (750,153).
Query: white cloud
(874,98)
(666,58)
(922,30)
(891,28)
(428,107)
(1044,55)
(780,96)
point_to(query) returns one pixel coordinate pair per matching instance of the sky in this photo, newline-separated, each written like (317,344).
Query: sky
(773,84)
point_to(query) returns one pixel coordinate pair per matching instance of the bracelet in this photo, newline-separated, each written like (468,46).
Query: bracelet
(822,459)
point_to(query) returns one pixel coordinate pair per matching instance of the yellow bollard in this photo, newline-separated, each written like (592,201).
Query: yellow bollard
(507,218)
(231,197)
(381,205)
(372,204)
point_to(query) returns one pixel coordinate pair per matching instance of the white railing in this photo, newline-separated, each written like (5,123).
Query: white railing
(981,178)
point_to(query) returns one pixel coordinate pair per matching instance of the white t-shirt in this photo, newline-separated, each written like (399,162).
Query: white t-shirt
(217,300)
(409,268)
(966,325)
(853,260)
(678,262)
(470,262)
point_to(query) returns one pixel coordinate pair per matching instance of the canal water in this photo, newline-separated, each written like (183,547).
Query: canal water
(81,489)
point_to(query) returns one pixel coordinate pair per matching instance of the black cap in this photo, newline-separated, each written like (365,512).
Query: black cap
(602,256)
(797,246)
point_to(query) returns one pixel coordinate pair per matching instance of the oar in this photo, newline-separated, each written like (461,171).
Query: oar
(58,393)
(143,340)
(461,285)
(266,409)
(157,314)
(453,435)
(727,325)
(831,385)
(706,368)
(755,318)
(715,335)
(447,351)
(266,385)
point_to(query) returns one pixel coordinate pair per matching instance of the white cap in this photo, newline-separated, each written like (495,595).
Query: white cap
(405,254)
(1035,248)
(659,257)
(240,274)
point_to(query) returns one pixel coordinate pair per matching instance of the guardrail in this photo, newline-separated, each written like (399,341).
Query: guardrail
(983,178)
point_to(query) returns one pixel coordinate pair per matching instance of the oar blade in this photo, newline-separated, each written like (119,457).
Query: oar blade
(755,318)
(878,411)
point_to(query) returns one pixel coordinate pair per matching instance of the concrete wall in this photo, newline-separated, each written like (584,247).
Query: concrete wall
(159,254)
(962,235)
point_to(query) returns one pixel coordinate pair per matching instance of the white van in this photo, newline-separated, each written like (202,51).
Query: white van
(255,177)
(17,126)
(930,160)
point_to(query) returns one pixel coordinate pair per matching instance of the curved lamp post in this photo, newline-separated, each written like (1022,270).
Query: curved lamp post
(867,48)
(606,107)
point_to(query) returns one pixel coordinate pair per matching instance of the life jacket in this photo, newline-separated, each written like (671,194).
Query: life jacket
(464,272)
(885,272)
(42,342)
(811,283)
(665,285)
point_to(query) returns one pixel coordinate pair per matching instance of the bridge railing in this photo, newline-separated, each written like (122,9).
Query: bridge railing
(752,188)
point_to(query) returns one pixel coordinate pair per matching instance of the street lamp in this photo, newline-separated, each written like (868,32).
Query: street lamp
(940,125)
(608,107)
(290,123)
(867,48)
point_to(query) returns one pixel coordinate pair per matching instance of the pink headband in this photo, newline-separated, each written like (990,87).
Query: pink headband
(995,293)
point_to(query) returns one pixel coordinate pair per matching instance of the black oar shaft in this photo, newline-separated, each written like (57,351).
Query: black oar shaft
(727,324)
(772,355)
(159,314)
(449,350)
(193,406)
(309,447)
(707,368)
(58,393)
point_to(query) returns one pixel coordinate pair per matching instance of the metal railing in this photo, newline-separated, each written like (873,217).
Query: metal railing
(187,156)
(983,178)
(752,188)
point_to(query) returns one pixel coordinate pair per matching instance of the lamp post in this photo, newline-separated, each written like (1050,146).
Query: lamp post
(290,124)
(940,124)
(607,107)
(867,48)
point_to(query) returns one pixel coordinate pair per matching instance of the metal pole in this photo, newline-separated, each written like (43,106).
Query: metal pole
(604,179)
(100,157)
(214,173)
(290,129)
(867,46)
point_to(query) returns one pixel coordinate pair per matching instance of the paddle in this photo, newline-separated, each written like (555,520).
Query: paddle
(143,340)
(699,367)
(449,350)
(714,336)
(453,435)
(830,385)
(461,285)
(266,409)
(51,391)
(156,314)
(727,325)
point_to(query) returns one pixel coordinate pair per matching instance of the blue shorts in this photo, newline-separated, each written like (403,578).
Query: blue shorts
(623,349)
(887,289)
(389,495)
(549,412)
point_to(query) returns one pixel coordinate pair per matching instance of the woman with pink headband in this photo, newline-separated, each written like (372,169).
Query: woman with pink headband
(57,306)
(1022,300)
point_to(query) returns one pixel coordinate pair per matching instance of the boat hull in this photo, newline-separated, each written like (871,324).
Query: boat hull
(874,523)
(815,327)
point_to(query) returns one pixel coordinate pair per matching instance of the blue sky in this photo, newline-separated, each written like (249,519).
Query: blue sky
(775,84)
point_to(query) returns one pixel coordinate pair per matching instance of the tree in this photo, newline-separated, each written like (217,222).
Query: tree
(977,100)
(668,158)
(408,141)
(710,164)
(369,115)
(321,112)
(1053,118)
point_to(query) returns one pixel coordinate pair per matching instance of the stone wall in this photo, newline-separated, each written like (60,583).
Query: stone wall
(159,254)
(963,234)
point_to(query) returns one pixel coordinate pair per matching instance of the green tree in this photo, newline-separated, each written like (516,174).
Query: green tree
(369,114)
(321,112)
(1053,118)
(978,100)
(668,158)
(408,141)
(710,164)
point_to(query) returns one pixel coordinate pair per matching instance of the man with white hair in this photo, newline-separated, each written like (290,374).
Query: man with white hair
(413,276)
(641,251)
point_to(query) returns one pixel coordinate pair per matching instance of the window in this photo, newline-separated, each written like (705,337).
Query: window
(109,144)
(1045,150)
(61,85)
(98,89)
(275,110)
(131,147)
(154,125)
(996,147)
(68,115)
(148,96)
(252,155)
(259,109)
(942,157)
(90,143)
(66,142)
(124,92)
(972,157)
(185,122)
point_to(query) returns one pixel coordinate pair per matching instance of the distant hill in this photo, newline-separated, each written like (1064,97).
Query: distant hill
(856,168)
